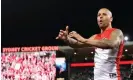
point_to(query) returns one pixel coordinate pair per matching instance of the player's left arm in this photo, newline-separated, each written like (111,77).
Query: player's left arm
(114,41)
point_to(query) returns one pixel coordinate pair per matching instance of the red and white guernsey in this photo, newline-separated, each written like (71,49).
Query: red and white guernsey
(107,60)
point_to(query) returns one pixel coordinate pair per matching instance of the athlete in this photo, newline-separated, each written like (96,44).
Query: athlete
(108,46)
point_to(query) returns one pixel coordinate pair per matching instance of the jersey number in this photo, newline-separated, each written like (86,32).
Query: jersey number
(112,75)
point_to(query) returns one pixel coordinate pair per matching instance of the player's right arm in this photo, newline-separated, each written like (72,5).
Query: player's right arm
(63,35)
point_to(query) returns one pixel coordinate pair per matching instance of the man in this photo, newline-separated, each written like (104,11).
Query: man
(108,46)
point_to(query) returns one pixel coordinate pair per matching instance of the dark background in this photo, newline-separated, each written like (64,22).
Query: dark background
(37,22)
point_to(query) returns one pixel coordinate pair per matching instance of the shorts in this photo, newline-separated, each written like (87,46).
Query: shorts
(103,75)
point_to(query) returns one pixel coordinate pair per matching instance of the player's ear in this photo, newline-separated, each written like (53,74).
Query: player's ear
(111,19)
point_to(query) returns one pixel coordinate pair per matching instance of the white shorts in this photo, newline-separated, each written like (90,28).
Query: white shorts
(103,75)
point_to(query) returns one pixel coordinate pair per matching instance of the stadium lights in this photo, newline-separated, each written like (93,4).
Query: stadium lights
(126,38)
(126,50)
(85,58)
(92,52)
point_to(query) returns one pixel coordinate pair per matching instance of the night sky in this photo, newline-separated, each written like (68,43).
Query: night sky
(37,22)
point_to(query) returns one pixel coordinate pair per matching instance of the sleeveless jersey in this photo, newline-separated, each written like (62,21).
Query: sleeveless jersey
(107,60)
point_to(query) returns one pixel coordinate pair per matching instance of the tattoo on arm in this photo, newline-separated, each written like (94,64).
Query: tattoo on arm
(115,40)
(77,44)
(73,43)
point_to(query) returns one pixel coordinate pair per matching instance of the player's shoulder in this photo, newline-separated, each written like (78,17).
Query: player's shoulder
(117,31)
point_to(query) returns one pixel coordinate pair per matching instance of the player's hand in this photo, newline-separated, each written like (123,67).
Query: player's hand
(73,34)
(63,34)
(77,36)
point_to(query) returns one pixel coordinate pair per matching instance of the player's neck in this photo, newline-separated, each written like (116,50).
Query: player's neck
(105,28)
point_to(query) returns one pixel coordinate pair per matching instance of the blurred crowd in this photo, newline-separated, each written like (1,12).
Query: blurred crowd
(83,72)
(28,66)
(42,66)
(86,73)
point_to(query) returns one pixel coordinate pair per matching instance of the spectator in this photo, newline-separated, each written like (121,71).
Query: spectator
(27,66)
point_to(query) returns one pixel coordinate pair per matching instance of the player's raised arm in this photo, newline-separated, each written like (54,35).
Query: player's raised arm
(63,35)
(113,42)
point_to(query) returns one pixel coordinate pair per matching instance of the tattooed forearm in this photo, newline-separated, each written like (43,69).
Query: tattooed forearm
(74,43)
